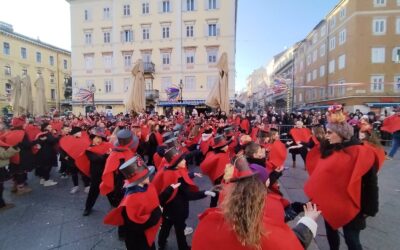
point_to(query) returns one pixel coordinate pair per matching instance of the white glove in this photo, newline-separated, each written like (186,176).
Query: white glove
(210,193)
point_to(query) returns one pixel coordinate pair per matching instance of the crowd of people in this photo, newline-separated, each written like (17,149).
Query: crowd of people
(143,164)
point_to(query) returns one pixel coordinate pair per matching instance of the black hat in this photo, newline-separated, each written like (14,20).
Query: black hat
(170,142)
(100,132)
(228,131)
(135,170)
(173,156)
(220,141)
(125,137)
(167,136)
(177,127)
(44,126)
(75,130)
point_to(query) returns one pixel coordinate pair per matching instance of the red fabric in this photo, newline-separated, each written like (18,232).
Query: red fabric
(205,145)
(277,155)
(300,134)
(254,133)
(244,124)
(139,207)
(112,165)
(57,125)
(312,159)
(214,233)
(165,178)
(232,146)
(13,138)
(74,146)
(391,124)
(145,132)
(336,188)
(32,131)
(82,161)
(159,138)
(379,154)
(237,121)
(157,160)
(274,207)
(214,165)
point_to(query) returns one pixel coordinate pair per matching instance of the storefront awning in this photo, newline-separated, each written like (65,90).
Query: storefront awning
(382,104)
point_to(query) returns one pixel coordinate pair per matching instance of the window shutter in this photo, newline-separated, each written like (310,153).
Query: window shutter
(160,6)
(122,37)
(171,6)
(195,5)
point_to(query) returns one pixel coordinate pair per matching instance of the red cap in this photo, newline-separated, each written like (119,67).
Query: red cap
(17,122)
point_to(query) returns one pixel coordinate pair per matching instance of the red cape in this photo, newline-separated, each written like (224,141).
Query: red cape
(391,124)
(336,188)
(166,177)
(82,161)
(300,134)
(214,233)
(157,160)
(139,207)
(205,145)
(214,165)
(74,146)
(145,132)
(13,138)
(244,124)
(57,125)
(277,155)
(312,159)
(380,155)
(32,131)
(112,165)
(254,133)
(159,138)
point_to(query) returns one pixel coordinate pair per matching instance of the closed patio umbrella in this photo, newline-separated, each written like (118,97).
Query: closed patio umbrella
(135,99)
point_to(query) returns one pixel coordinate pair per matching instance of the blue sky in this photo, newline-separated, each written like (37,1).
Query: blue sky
(265,27)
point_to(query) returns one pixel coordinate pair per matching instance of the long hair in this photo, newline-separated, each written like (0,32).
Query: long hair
(243,208)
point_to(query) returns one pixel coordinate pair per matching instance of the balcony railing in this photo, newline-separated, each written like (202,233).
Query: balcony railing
(149,67)
(152,94)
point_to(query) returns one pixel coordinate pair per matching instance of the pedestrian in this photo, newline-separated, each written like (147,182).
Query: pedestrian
(6,152)
(392,125)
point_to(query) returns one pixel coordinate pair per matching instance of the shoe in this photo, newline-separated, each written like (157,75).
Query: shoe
(64,176)
(87,212)
(389,158)
(42,181)
(87,189)
(74,190)
(23,190)
(7,206)
(49,183)
(188,230)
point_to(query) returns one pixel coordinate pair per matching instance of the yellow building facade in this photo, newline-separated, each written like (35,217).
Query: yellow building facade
(21,55)
(179,42)
(351,57)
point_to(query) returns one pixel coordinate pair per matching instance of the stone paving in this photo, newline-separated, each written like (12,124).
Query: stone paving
(51,218)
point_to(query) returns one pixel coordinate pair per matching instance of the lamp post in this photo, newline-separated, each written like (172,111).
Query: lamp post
(93,90)
(181,99)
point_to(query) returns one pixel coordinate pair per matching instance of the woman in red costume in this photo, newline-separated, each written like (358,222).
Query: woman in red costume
(343,182)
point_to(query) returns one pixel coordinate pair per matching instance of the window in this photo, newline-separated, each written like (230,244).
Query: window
(332,43)
(342,62)
(88,38)
(212,55)
(211,80)
(342,37)
(89,61)
(166,58)
(65,62)
(107,37)
(342,13)
(308,76)
(379,3)
(8,88)
(166,82)
(397,84)
(127,61)
(165,32)
(86,15)
(145,8)
(6,48)
(323,31)
(331,68)
(52,94)
(332,22)
(190,5)
(189,31)
(190,83)
(51,60)
(108,86)
(212,29)
(24,71)
(189,57)
(314,74)
(378,55)
(379,26)
(38,57)
(331,91)
(146,57)
(23,53)
(398,26)
(146,33)
(127,10)
(308,60)
(396,55)
(127,35)
(322,50)
(377,82)
(212,4)
(52,78)
(7,70)
(315,55)
(106,13)
(341,88)
(166,6)
(322,71)
(322,94)
(108,61)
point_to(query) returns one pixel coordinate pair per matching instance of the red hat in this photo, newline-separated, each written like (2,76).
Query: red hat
(135,170)
(173,156)
(18,122)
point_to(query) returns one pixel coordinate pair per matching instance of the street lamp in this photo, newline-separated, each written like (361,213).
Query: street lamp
(93,90)
(181,99)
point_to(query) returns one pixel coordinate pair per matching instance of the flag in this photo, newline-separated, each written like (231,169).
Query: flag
(172,93)
(84,95)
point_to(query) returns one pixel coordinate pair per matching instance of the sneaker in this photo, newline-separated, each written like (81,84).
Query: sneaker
(87,189)
(188,230)
(23,190)
(49,183)
(64,176)
(7,206)
(74,190)
(42,181)
(389,158)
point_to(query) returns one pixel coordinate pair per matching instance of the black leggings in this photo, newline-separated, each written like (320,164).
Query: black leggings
(2,202)
(166,226)
(301,151)
(44,171)
(351,236)
(74,173)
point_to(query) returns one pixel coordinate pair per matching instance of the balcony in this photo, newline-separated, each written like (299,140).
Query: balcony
(149,67)
(152,94)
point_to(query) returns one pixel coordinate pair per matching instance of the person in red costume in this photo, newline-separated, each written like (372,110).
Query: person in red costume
(371,140)
(176,209)
(244,221)
(214,164)
(300,136)
(392,125)
(140,209)
(343,182)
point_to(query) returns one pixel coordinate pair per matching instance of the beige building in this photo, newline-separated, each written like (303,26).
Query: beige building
(22,55)
(351,57)
(180,41)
